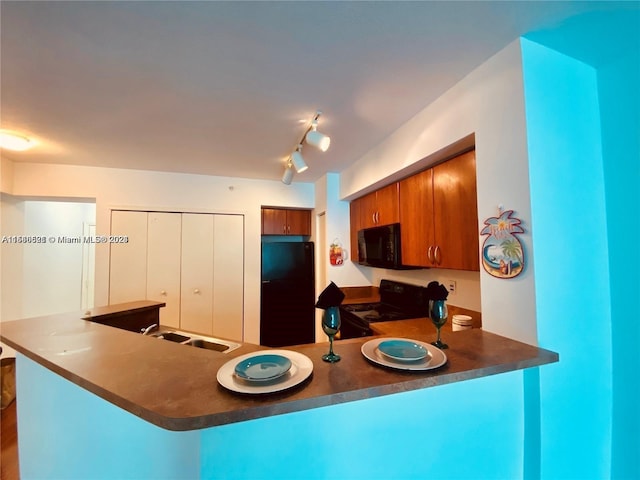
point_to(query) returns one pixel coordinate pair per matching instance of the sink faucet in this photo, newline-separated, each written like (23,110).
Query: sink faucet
(145,331)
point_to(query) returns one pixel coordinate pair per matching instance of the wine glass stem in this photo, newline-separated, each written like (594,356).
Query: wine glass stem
(331,345)
(438,338)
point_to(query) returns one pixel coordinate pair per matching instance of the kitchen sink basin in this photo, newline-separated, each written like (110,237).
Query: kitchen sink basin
(198,341)
(172,337)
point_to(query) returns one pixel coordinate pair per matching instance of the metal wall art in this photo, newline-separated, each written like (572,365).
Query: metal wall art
(502,252)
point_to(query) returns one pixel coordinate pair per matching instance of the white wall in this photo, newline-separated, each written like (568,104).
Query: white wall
(166,191)
(46,277)
(337,227)
(11,275)
(489,102)
(11,222)
(52,271)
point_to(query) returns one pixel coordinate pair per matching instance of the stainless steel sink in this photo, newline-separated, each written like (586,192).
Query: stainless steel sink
(172,337)
(198,341)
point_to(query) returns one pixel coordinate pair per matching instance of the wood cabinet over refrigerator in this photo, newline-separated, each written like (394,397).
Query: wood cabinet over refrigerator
(191,261)
(286,221)
(438,216)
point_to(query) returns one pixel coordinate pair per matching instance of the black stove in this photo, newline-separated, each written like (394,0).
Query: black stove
(398,301)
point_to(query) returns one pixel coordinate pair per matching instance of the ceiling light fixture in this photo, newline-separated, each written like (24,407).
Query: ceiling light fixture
(297,160)
(317,139)
(15,141)
(312,137)
(287,176)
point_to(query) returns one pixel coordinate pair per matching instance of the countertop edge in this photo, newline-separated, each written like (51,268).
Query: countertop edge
(514,356)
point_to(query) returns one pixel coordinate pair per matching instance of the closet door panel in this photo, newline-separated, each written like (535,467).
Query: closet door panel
(196,311)
(163,264)
(228,276)
(128,261)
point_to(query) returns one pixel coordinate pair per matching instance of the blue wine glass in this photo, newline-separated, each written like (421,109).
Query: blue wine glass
(438,314)
(331,326)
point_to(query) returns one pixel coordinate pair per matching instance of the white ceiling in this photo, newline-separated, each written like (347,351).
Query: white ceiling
(228,88)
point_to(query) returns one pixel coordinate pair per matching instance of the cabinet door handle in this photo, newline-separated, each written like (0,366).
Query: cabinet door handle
(377,217)
(163,293)
(196,291)
(429,252)
(284,229)
(438,257)
(288,228)
(373,218)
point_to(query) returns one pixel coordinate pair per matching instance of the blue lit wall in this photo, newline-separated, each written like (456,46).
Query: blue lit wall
(466,430)
(618,87)
(69,433)
(571,267)
(582,106)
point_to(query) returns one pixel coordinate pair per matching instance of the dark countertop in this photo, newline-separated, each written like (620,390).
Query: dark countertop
(174,386)
(122,309)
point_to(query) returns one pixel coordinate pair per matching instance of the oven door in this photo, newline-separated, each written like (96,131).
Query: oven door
(351,326)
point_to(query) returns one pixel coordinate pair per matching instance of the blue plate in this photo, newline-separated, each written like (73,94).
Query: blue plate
(263,368)
(402,350)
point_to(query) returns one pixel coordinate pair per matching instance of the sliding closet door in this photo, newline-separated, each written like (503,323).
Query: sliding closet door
(228,276)
(163,264)
(128,271)
(196,310)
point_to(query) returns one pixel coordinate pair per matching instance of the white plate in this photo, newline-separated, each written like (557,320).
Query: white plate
(301,368)
(435,359)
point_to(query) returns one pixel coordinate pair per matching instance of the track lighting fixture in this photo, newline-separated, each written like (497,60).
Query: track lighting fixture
(317,139)
(298,161)
(312,137)
(287,176)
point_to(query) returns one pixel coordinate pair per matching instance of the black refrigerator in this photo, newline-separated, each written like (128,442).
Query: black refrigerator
(287,309)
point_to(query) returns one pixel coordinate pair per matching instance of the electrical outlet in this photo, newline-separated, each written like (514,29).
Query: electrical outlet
(451,286)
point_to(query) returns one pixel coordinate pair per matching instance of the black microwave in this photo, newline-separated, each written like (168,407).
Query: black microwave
(380,247)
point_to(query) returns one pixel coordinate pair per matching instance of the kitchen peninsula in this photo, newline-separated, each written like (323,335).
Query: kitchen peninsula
(172,386)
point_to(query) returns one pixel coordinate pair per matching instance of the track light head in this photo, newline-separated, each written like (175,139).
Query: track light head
(312,137)
(287,176)
(317,139)
(297,160)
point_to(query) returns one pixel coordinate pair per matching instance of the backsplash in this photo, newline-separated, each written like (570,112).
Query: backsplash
(467,294)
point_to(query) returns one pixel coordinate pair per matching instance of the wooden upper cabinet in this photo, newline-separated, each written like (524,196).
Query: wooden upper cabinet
(299,222)
(354,221)
(416,219)
(379,208)
(282,221)
(455,211)
(274,221)
(438,216)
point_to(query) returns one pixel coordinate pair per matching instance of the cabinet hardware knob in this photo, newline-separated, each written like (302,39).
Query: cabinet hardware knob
(438,257)
(163,293)
(196,290)
(429,254)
